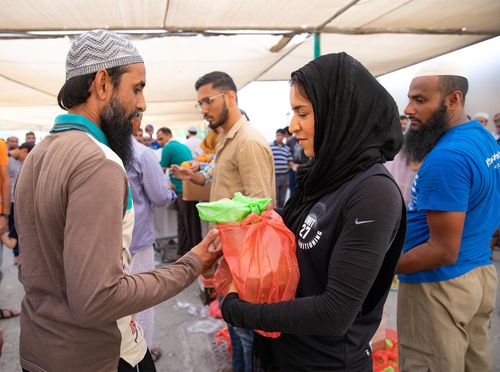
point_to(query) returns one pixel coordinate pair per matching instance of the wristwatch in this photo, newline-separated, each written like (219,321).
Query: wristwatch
(4,215)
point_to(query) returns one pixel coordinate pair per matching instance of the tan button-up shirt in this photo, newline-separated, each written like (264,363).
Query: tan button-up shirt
(244,163)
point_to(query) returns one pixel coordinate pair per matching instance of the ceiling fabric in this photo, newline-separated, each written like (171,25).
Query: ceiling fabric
(180,40)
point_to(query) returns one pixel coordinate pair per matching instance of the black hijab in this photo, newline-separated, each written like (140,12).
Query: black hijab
(356,124)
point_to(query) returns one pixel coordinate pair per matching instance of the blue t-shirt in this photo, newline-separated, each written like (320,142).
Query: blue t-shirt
(175,152)
(461,174)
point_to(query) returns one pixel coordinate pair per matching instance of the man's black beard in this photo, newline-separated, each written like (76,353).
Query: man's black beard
(223,118)
(117,127)
(419,142)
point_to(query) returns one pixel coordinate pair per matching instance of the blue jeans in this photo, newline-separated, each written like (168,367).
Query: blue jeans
(242,341)
(281,189)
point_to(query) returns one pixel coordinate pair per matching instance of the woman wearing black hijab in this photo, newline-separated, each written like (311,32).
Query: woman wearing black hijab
(348,217)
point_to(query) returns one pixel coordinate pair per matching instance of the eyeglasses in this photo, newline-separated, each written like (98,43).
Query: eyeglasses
(206,102)
(497,120)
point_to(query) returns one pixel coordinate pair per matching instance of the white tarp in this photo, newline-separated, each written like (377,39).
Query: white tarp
(181,40)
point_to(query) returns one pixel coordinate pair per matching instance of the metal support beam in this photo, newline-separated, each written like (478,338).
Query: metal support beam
(317,45)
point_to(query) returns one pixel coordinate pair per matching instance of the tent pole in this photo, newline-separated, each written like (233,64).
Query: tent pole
(317,46)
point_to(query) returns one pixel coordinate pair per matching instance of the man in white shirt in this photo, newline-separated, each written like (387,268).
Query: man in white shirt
(483,118)
(496,122)
(193,142)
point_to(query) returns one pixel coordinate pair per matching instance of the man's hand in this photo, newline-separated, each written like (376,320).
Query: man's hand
(209,249)
(181,172)
(187,174)
(194,165)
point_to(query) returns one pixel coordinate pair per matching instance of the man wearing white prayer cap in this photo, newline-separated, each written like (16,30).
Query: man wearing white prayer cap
(193,142)
(482,117)
(447,280)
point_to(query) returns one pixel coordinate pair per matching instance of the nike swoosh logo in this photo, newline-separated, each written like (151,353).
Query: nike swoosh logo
(357,222)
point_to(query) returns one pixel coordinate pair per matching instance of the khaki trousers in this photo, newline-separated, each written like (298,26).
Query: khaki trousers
(443,326)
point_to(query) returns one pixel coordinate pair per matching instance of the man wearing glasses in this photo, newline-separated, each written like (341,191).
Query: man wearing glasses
(243,162)
(243,158)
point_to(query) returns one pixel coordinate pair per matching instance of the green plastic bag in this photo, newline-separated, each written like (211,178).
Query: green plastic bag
(231,210)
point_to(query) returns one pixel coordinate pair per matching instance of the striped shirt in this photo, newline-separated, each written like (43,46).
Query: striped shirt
(207,169)
(282,156)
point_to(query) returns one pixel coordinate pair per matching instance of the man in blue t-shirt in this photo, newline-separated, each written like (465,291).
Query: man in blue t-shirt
(448,282)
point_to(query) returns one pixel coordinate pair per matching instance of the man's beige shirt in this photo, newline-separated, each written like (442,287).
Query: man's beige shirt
(244,163)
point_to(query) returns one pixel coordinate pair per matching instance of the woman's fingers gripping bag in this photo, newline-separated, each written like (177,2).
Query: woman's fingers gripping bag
(260,256)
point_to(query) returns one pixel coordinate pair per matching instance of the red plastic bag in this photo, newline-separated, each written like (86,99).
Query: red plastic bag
(214,309)
(385,353)
(222,336)
(259,255)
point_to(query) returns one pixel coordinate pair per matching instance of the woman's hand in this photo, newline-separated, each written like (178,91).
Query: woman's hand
(232,288)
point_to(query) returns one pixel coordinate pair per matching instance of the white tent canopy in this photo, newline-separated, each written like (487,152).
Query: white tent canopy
(181,40)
